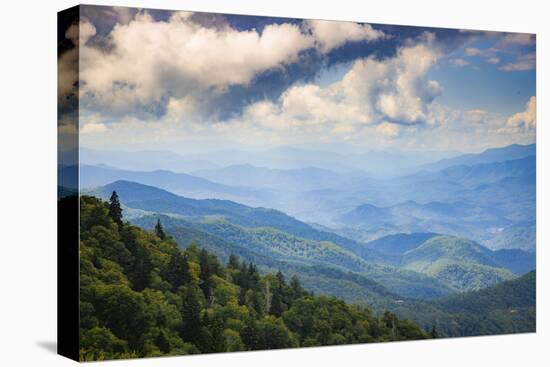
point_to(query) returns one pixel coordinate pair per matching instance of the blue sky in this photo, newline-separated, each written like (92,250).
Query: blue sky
(194,82)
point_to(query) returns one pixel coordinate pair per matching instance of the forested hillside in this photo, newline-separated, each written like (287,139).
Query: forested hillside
(141,295)
(504,308)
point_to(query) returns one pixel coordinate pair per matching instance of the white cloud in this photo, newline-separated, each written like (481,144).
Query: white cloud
(515,39)
(93,128)
(68,62)
(330,34)
(151,59)
(371,92)
(67,73)
(489,55)
(388,129)
(459,62)
(81,32)
(507,43)
(523,63)
(472,51)
(526,119)
(477,115)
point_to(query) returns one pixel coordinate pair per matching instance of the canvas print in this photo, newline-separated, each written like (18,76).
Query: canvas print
(235,183)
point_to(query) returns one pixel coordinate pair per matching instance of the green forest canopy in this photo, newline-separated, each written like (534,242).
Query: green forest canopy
(141,295)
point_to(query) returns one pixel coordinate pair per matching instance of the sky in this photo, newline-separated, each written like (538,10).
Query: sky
(196,82)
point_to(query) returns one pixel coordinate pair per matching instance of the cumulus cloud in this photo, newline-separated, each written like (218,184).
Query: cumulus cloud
(526,119)
(523,63)
(393,90)
(388,129)
(80,33)
(143,63)
(150,59)
(330,34)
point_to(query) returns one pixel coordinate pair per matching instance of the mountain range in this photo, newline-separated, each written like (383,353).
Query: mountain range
(414,243)
(506,153)
(273,234)
(471,201)
(415,275)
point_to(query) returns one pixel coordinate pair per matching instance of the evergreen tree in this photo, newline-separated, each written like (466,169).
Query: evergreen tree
(127,308)
(253,276)
(206,273)
(115,211)
(162,342)
(296,288)
(233,262)
(177,271)
(281,278)
(159,231)
(277,300)
(191,326)
(216,342)
(140,270)
(249,335)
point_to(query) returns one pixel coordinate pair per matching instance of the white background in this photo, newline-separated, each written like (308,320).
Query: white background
(28,182)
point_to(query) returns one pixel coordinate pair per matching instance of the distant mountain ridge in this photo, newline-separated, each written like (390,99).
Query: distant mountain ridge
(146,160)
(179,183)
(296,179)
(467,201)
(153,199)
(509,152)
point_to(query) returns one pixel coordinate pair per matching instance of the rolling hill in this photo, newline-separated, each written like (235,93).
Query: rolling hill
(263,243)
(152,199)
(179,183)
(457,262)
(403,247)
(507,307)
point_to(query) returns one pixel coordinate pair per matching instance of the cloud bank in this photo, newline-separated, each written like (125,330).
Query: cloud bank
(154,80)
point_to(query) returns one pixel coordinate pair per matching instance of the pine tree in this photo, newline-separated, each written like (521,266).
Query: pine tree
(191,327)
(177,270)
(115,211)
(296,288)
(159,231)
(206,273)
(277,302)
(233,262)
(162,342)
(249,335)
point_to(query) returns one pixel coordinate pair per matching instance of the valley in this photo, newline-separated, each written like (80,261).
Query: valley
(369,240)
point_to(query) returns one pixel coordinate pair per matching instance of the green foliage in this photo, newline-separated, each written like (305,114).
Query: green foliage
(462,264)
(115,211)
(159,230)
(272,249)
(507,307)
(143,296)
